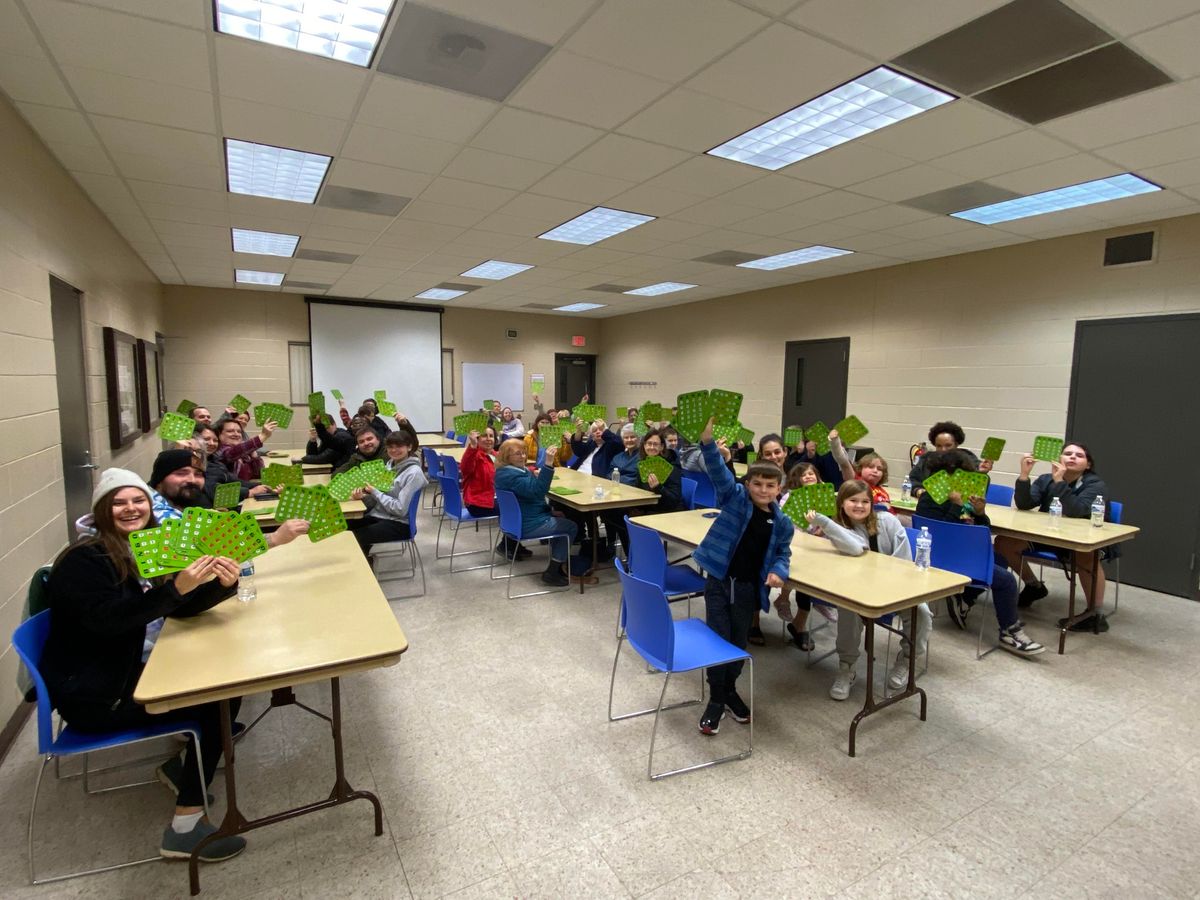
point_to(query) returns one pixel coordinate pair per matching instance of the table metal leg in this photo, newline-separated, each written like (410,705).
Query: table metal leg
(236,823)
(869,703)
(1091,605)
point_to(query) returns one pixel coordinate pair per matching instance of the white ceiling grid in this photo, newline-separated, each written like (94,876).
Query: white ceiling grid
(134,97)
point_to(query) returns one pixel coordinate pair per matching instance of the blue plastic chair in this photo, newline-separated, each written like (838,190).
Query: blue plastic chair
(453,508)
(450,468)
(512,524)
(706,494)
(450,434)
(462,440)
(671,646)
(1047,558)
(433,468)
(390,549)
(966,550)
(689,492)
(648,561)
(541,457)
(29,640)
(999,494)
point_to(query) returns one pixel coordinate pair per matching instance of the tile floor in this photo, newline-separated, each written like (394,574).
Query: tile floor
(1072,776)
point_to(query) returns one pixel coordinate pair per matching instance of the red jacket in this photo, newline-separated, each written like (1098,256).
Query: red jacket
(478,471)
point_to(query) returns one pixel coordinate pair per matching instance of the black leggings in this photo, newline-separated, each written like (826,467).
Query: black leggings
(128,714)
(482,512)
(369,531)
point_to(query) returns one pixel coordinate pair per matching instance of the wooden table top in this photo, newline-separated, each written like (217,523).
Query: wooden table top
(319,614)
(455,453)
(739,469)
(871,585)
(293,457)
(586,501)
(436,440)
(1072,534)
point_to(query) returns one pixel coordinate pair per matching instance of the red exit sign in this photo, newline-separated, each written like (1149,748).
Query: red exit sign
(578,340)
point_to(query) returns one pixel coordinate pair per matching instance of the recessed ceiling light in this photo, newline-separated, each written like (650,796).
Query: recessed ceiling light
(339,29)
(1100,191)
(266,243)
(794,258)
(495,270)
(579,307)
(872,101)
(249,276)
(663,287)
(595,225)
(440,294)
(265,171)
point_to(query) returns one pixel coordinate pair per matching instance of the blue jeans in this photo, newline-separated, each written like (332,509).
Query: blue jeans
(1004,595)
(561,532)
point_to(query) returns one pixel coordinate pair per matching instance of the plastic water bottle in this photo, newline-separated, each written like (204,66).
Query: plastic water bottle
(246,588)
(906,488)
(924,548)
(1098,511)
(615,478)
(1055,513)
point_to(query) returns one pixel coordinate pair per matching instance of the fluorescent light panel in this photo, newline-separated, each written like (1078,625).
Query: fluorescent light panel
(1100,191)
(440,294)
(595,225)
(265,243)
(265,171)
(347,30)
(249,276)
(872,101)
(579,307)
(663,287)
(794,258)
(495,270)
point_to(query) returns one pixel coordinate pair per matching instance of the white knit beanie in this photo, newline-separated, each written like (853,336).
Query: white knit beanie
(111,479)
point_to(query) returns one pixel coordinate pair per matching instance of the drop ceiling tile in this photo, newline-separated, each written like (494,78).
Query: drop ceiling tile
(717,213)
(772,224)
(583,90)
(1155,149)
(1124,18)
(200,215)
(692,121)
(391,148)
(251,70)
(847,164)
(476,240)
(281,127)
(479,197)
(1058,173)
(945,129)
(186,147)
(1004,154)
(665,229)
(15,33)
(910,182)
(423,211)
(517,132)
(56,125)
(371,177)
(356,201)
(827,233)
(362,222)
(583,187)
(1158,110)
(625,157)
(1173,47)
(777,70)
(969,195)
(179,12)
(166,171)
(142,100)
(774,191)
(533,18)
(82,159)
(667,39)
(885,217)
(653,201)
(496,169)
(773,7)
(1175,175)
(884,30)
(214,235)
(284,210)
(527,228)
(32,79)
(706,176)
(545,209)
(421,109)
(403,231)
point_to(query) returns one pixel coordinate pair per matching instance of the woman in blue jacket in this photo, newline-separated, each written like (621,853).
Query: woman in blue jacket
(536,519)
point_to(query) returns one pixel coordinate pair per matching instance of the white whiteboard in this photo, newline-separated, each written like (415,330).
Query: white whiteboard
(493,381)
(363,349)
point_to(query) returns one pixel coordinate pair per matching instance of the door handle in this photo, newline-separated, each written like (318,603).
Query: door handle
(88,464)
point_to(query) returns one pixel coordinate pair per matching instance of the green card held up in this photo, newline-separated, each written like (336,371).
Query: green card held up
(622,412)
(276,474)
(695,409)
(851,430)
(550,437)
(337,395)
(488,404)
(386,407)
(273,412)
(751,457)
(235,536)
(821,498)
(992,448)
(590,412)
(468,422)
(969,484)
(316,404)
(227,495)
(726,405)
(380,395)
(378,475)
(240,403)
(728,433)
(745,436)
(175,427)
(793,437)
(314,505)
(185,407)
(146,546)
(938,486)
(1047,449)
(818,433)
(653,412)
(656,466)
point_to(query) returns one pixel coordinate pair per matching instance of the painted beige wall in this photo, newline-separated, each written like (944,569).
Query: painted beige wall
(49,226)
(984,339)
(223,341)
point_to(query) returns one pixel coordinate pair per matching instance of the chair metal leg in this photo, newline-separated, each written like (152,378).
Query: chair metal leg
(454,543)
(980,653)
(744,754)
(653,709)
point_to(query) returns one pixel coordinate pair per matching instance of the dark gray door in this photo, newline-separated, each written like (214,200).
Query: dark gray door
(814,381)
(1132,402)
(574,376)
(66,318)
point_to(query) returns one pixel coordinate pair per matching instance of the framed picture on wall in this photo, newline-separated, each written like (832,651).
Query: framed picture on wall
(126,390)
(150,377)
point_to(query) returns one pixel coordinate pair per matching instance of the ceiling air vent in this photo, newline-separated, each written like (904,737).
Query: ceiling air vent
(1129,249)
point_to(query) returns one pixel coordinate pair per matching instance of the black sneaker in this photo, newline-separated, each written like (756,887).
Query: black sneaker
(755,636)
(1031,593)
(737,708)
(957,608)
(802,639)
(555,577)
(710,722)
(1096,623)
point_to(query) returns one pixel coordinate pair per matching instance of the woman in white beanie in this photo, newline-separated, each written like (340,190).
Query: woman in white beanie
(103,618)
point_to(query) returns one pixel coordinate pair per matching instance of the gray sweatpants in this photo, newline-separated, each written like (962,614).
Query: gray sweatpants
(850,630)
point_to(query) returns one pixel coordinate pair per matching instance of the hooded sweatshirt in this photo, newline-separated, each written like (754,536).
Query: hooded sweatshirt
(393,504)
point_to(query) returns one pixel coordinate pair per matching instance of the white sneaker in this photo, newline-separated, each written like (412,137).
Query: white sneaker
(898,676)
(840,689)
(1016,641)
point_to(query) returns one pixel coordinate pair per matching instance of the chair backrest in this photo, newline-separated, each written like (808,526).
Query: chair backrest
(510,513)
(648,624)
(1115,509)
(450,467)
(689,492)
(450,434)
(433,462)
(706,494)
(999,494)
(541,457)
(647,558)
(961,548)
(462,439)
(414,507)
(913,534)
(452,501)
(29,640)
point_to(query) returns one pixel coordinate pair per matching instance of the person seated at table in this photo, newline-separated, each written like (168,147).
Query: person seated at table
(625,463)
(943,436)
(201,416)
(478,470)
(801,475)
(871,468)
(215,471)
(860,527)
(368,446)
(771,449)
(511,425)
(670,491)
(386,518)
(1073,480)
(972,511)
(825,463)
(238,454)
(670,438)
(537,520)
(495,416)
(327,446)
(595,450)
(533,441)
(104,620)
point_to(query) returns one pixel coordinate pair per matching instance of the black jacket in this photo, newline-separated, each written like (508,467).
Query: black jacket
(217,473)
(920,471)
(332,447)
(670,492)
(602,464)
(928,508)
(1076,499)
(826,465)
(356,459)
(93,655)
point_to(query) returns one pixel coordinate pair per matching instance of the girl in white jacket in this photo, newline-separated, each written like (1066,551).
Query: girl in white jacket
(859,528)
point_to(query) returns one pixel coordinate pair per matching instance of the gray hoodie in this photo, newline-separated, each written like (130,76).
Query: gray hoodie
(393,504)
(893,539)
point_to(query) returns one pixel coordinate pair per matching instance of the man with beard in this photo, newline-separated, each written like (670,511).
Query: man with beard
(366,439)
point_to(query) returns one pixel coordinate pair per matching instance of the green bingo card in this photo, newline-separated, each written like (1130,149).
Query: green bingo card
(818,433)
(314,505)
(316,404)
(337,395)
(851,430)
(380,395)
(377,473)
(969,484)
(725,406)
(550,437)
(819,497)
(938,486)
(728,433)
(468,422)
(622,412)
(695,409)
(235,536)
(240,403)
(341,485)
(745,436)
(1047,449)
(175,427)
(590,412)
(273,412)
(185,407)
(227,495)
(386,407)
(793,437)
(656,466)
(652,412)
(152,555)
(992,448)
(276,474)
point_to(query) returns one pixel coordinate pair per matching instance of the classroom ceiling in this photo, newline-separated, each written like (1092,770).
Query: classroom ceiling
(458,157)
